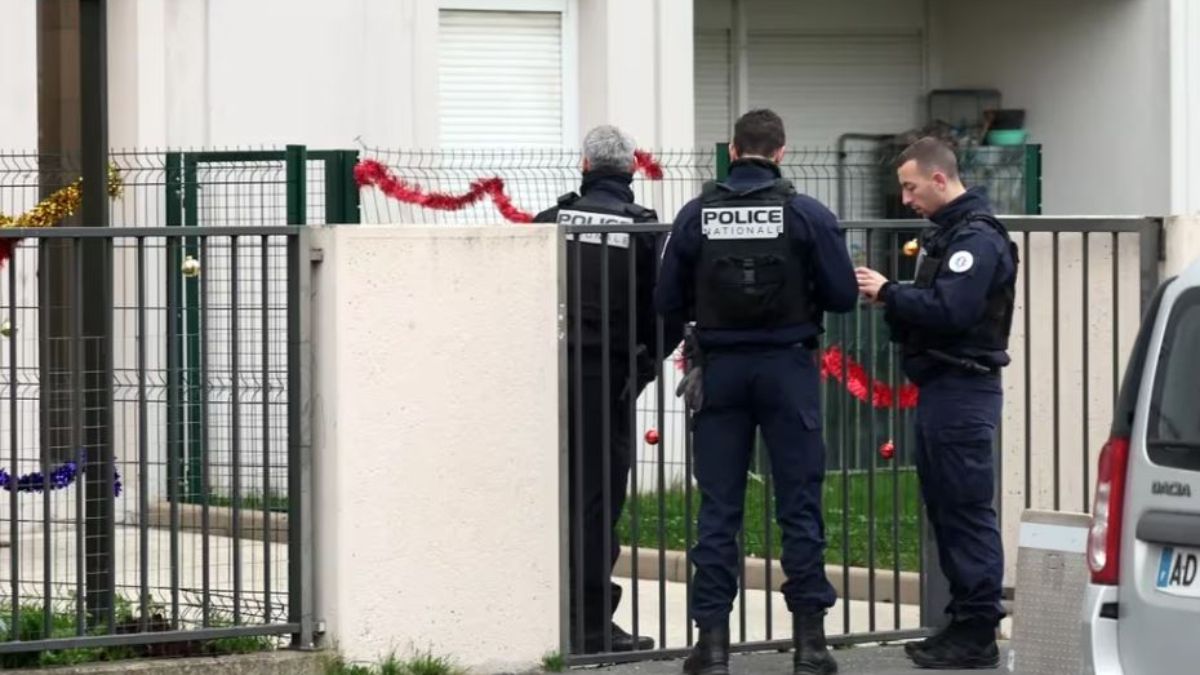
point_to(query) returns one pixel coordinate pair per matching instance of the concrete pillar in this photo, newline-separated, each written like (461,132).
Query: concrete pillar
(1181,243)
(636,69)
(437,466)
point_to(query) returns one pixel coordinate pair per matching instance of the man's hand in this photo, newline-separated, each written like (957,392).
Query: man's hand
(869,282)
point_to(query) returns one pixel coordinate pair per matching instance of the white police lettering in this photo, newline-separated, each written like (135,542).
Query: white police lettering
(961,262)
(615,239)
(566,217)
(742,222)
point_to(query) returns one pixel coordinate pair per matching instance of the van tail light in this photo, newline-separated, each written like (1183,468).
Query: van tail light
(1104,537)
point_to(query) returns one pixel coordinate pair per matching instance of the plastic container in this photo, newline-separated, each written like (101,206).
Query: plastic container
(1006,137)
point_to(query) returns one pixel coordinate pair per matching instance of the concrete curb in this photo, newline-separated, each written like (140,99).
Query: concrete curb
(267,663)
(220,521)
(676,567)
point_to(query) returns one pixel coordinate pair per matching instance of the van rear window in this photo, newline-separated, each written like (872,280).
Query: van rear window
(1173,432)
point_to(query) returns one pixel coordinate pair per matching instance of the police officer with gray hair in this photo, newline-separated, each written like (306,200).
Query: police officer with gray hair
(605,197)
(756,265)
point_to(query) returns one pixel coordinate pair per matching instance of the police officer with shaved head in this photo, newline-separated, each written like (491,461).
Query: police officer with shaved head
(605,197)
(755,266)
(952,323)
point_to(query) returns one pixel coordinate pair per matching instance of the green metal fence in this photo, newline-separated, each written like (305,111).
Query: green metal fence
(241,188)
(856,180)
(211,188)
(295,185)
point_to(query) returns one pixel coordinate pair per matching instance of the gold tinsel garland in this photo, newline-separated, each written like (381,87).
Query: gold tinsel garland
(61,204)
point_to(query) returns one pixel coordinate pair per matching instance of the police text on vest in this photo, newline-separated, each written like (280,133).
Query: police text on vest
(742,222)
(615,239)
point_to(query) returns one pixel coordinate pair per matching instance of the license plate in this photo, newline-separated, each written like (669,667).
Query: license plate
(1179,571)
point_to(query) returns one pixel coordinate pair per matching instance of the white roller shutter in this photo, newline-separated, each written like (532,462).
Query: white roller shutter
(500,79)
(822,86)
(712,73)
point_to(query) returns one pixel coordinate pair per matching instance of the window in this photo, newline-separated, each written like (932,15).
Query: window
(500,79)
(1173,431)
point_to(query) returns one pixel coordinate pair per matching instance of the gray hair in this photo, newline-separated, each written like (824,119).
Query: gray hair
(608,148)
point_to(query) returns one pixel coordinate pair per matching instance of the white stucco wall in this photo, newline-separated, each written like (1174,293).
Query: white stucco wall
(272,72)
(18,76)
(1185,107)
(1093,78)
(635,69)
(814,16)
(1181,242)
(436,442)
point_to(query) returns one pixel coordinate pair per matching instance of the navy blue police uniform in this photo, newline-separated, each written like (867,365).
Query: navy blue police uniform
(756,265)
(604,198)
(953,323)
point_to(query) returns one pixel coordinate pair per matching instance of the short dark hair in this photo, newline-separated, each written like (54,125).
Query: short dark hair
(759,132)
(931,154)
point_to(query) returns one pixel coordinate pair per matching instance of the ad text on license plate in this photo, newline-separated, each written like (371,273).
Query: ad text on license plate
(1178,569)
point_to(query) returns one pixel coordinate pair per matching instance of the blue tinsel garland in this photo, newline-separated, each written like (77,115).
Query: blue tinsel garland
(62,476)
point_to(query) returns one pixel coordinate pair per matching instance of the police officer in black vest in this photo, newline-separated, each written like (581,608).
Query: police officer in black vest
(605,197)
(953,323)
(756,265)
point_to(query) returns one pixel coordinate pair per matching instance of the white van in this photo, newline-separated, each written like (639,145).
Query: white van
(1142,613)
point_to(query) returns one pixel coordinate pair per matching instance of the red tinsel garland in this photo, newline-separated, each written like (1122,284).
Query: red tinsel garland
(375,174)
(643,161)
(371,172)
(858,383)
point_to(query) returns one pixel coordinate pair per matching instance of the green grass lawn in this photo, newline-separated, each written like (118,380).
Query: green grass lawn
(853,532)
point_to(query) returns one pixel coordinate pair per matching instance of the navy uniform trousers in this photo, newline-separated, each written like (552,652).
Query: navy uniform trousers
(587,486)
(957,417)
(775,389)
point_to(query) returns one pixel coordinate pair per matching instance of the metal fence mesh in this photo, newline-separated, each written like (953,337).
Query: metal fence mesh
(199,386)
(856,181)
(197,416)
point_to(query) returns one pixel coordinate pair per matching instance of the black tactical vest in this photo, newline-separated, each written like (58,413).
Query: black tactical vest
(751,274)
(992,332)
(587,251)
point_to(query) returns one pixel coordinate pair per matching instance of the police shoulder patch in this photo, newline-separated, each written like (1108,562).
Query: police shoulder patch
(961,261)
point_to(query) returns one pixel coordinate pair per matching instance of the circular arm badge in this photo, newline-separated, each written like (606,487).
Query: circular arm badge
(961,262)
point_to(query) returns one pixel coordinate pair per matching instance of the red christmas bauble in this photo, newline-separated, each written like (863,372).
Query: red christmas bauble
(887,450)
(652,436)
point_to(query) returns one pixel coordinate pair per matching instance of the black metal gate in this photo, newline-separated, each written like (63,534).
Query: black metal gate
(1081,286)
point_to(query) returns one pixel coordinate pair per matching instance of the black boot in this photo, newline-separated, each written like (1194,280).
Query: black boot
(911,647)
(812,655)
(710,656)
(621,641)
(624,642)
(966,645)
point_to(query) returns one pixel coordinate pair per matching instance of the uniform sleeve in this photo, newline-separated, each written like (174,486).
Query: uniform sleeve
(958,297)
(833,272)
(649,252)
(673,292)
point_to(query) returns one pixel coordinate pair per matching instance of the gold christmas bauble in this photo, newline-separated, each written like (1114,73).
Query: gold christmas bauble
(190,267)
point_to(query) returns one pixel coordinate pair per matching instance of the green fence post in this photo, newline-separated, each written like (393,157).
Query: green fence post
(341,192)
(722,161)
(1033,180)
(350,188)
(296,157)
(181,196)
(190,332)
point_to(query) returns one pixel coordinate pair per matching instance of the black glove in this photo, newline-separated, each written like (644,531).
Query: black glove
(691,387)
